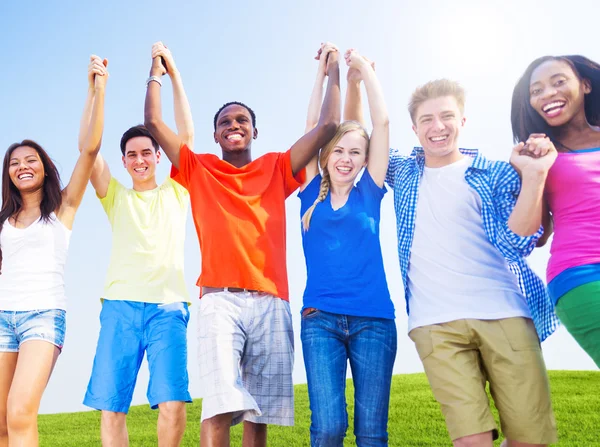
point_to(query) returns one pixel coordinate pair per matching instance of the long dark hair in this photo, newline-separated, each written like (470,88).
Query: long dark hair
(525,120)
(12,202)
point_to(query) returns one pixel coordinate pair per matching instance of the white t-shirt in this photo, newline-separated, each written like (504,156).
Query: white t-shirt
(33,265)
(454,271)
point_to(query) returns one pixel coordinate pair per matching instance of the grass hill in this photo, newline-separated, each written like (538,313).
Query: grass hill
(415,418)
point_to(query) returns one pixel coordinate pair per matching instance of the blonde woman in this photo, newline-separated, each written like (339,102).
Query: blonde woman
(347,311)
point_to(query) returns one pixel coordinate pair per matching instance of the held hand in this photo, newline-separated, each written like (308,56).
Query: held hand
(157,68)
(333,61)
(356,63)
(526,162)
(322,54)
(97,72)
(534,149)
(159,50)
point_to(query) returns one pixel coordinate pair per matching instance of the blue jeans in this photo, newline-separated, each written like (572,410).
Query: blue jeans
(328,342)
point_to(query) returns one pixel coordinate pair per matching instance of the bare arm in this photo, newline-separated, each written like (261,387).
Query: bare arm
(353,109)
(314,109)
(526,217)
(379,152)
(548,224)
(100,177)
(308,146)
(73,193)
(181,105)
(168,140)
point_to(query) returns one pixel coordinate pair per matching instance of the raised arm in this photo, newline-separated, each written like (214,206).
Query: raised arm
(100,177)
(73,193)
(353,110)
(316,96)
(181,105)
(380,137)
(528,213)
(314,107)
(308,146)
(168,140)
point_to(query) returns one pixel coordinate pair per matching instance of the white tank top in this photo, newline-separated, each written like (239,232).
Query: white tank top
(33,265)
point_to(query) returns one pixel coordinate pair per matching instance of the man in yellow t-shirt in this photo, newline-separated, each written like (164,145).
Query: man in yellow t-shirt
(145,300)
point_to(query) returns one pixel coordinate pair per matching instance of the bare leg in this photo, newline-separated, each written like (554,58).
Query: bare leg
(510,443)
(35,362)
(171,423)
(476,440)
(8,363)
(215,431)
(255,435)
(113,429)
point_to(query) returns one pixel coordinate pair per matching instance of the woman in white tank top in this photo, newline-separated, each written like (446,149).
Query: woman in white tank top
(35,226)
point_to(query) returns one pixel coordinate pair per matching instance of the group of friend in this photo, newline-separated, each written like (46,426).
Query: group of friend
(476,311)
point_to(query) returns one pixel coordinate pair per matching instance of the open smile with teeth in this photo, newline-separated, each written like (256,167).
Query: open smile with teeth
(344,169)
(553,108)
(140,170)
(234,137)
(25,176)
(438,139)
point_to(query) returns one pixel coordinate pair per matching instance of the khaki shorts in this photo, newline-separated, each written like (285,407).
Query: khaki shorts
(460,356)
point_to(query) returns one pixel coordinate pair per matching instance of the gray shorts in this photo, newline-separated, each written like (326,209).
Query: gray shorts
(246,357)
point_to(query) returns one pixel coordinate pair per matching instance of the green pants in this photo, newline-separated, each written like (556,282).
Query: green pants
(579,311)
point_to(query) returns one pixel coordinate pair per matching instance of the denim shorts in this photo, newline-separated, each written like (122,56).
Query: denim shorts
(17,327)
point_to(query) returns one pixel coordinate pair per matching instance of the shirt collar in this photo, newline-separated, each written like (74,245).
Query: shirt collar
(478,160)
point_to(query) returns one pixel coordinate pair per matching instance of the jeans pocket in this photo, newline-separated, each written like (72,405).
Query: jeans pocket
(520,333)
(421,336)
(310,312)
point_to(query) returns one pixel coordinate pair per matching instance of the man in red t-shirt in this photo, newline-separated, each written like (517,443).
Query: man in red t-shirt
(245,335)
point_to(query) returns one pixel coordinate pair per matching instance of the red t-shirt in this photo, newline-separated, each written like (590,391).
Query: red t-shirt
(239,214)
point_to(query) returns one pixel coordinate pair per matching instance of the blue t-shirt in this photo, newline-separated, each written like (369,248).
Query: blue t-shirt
(344,264)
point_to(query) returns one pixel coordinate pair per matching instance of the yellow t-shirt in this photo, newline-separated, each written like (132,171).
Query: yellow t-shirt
(148,234)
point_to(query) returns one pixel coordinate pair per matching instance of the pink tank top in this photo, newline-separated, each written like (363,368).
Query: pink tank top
(573,194)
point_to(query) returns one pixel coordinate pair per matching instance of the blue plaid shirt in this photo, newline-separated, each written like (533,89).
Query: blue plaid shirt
(498,185)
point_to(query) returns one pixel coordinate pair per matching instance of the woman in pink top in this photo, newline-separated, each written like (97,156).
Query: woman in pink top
(560,97)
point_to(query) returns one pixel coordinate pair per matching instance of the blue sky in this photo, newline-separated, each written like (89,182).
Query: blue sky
(260,53)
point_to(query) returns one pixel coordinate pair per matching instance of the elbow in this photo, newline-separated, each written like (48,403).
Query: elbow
(91,148)
(151,122)
(329,127)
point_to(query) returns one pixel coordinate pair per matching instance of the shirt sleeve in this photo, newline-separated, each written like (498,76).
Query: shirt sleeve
(188,161)
(290,182)
(109,200)
(309,194)
(393,165)
(368,185)
(182,194)
(505,194)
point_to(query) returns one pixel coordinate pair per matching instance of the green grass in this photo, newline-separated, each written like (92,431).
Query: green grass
(415,418)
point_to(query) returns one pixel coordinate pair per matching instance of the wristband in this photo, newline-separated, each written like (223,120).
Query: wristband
(155,79)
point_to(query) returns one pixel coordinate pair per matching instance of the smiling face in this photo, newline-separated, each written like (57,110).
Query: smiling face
(234,131)
(347,158)
(26,170)
(556,93)
(140,159)
(438,122)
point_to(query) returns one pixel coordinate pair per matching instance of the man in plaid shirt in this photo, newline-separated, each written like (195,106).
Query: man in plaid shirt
(473,302)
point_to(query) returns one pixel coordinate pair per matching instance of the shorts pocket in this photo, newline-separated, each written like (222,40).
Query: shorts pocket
(421,336)
(520,333)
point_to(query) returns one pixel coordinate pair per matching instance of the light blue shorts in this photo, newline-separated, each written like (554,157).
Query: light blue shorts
(128,329)
(17,327)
